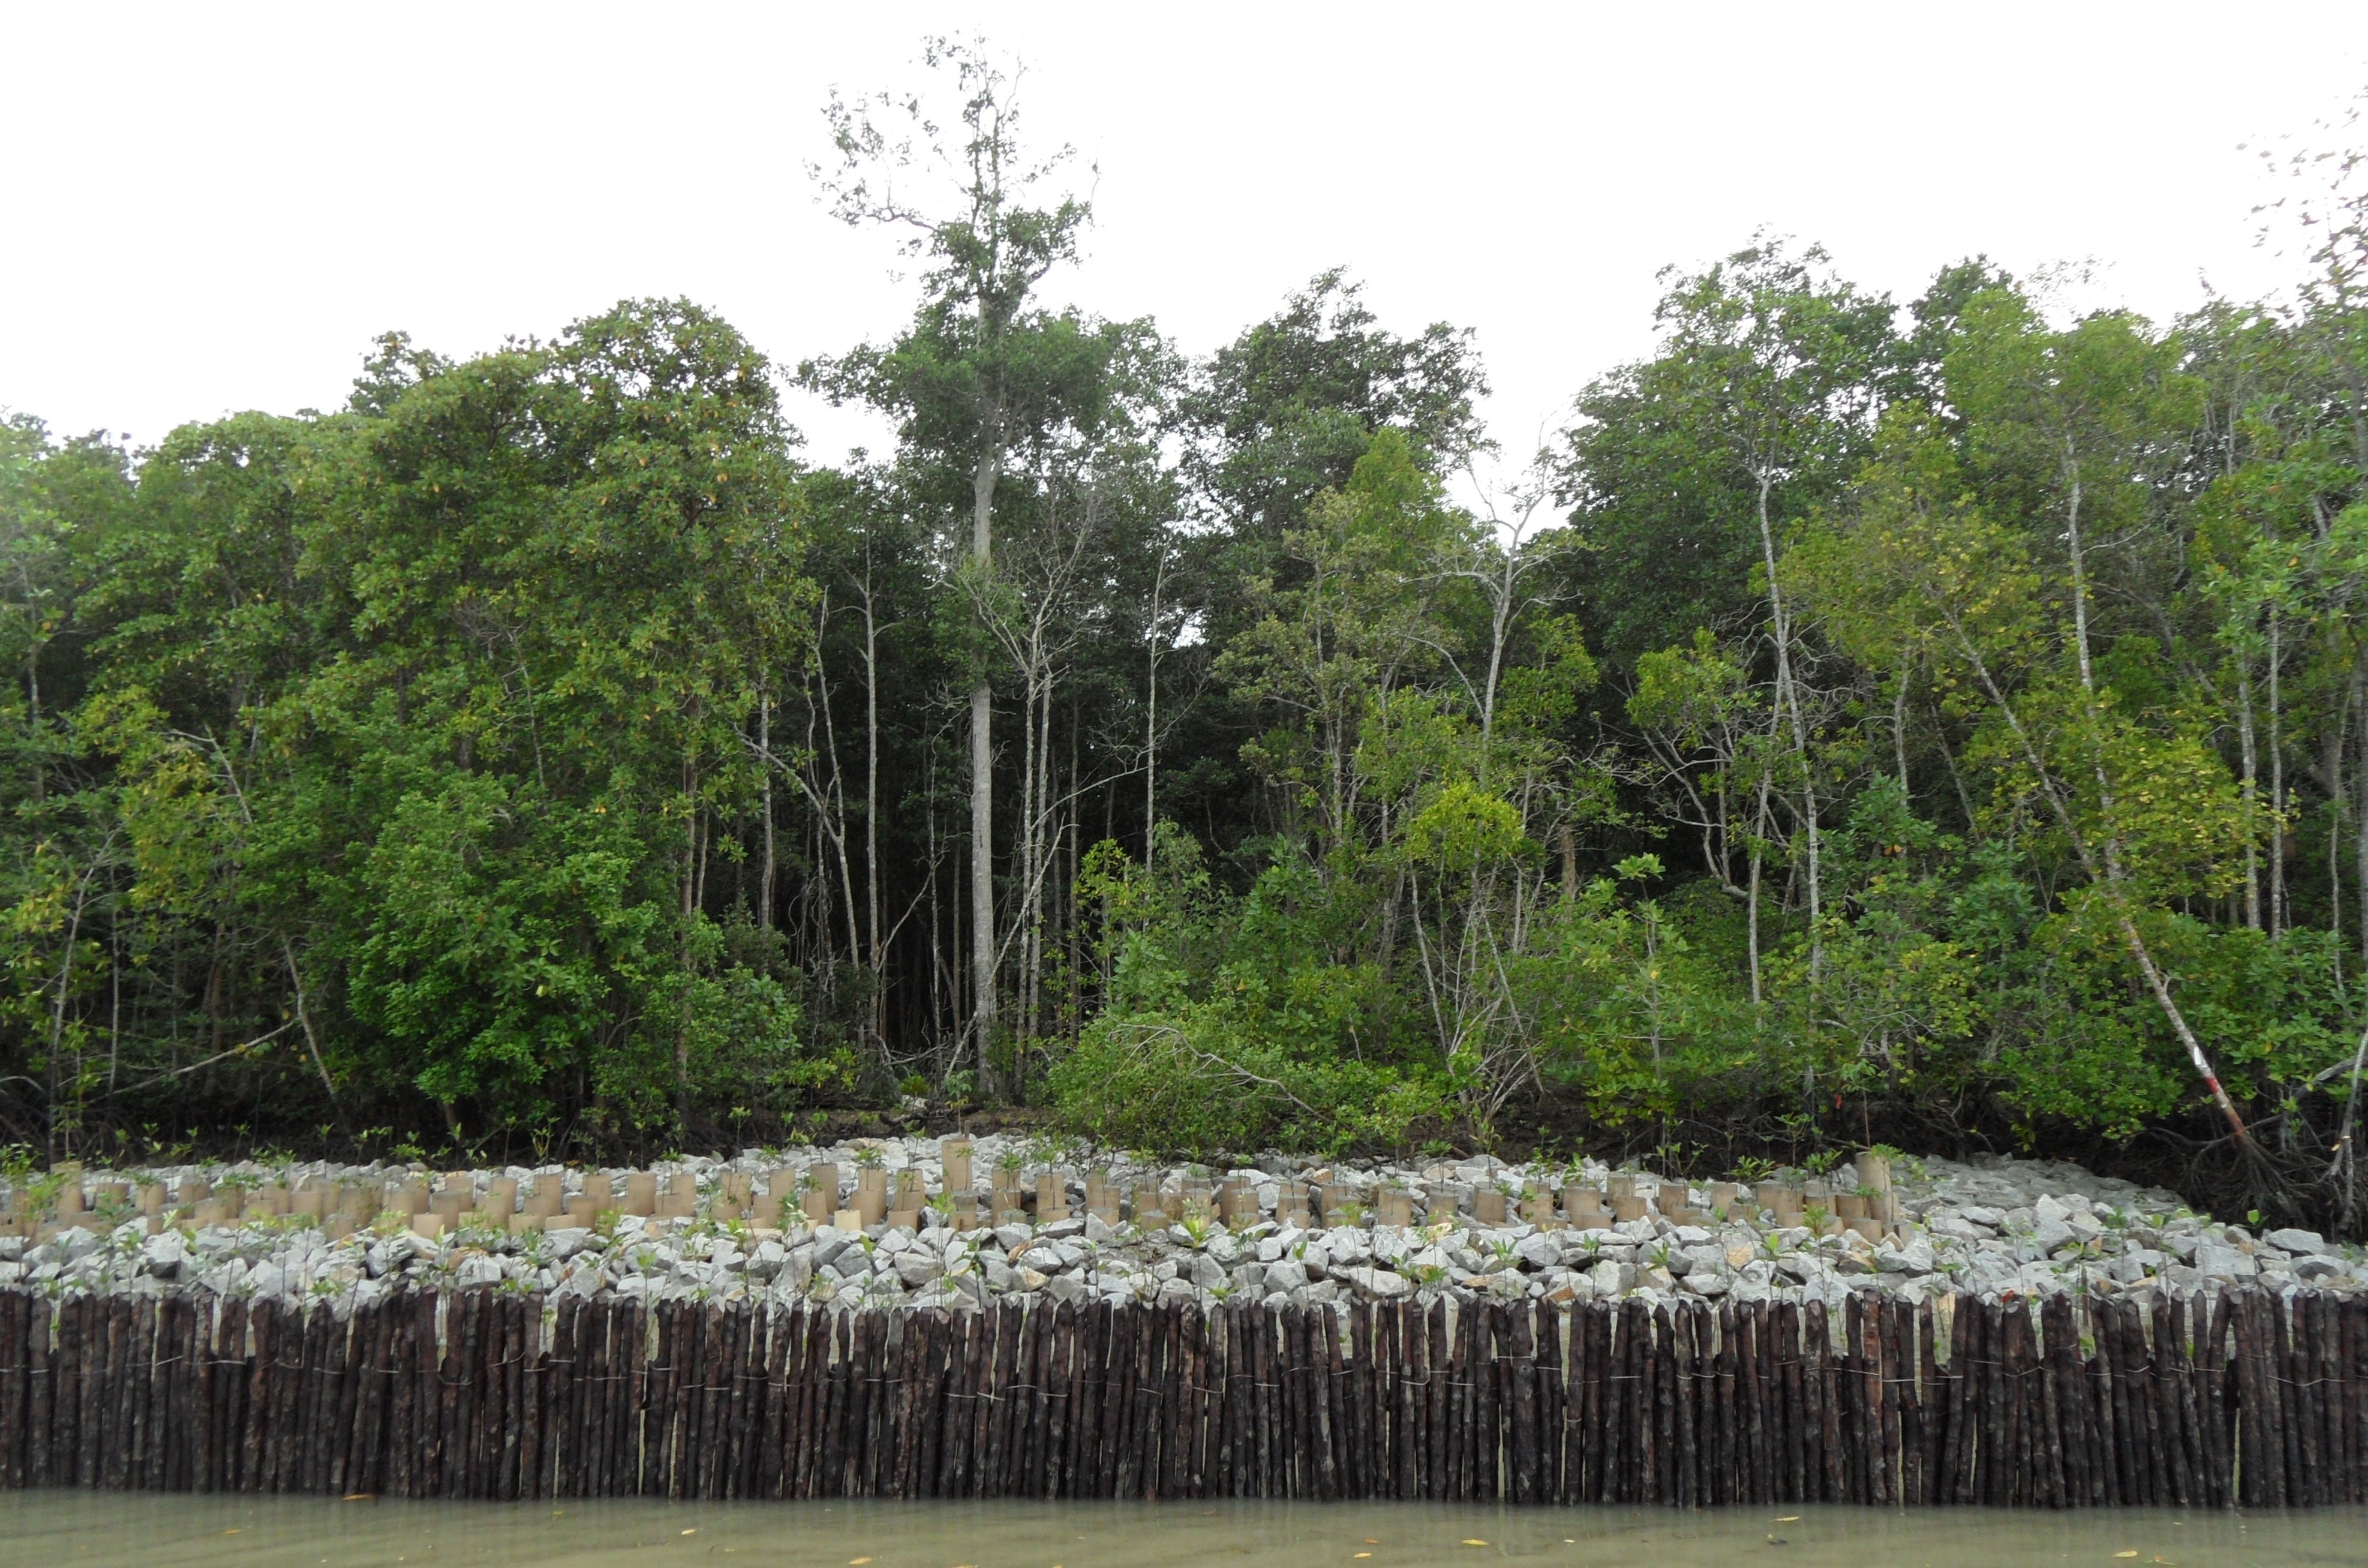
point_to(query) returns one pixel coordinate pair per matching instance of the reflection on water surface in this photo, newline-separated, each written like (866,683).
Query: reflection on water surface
(51,1529)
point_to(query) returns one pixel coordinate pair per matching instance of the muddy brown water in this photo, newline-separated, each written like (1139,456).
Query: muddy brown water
(52,1529)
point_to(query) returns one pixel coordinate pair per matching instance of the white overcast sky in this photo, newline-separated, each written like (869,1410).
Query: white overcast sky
(214,207)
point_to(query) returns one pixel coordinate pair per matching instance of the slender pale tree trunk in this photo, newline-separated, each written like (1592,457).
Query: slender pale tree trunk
(1500,620)
(879,958)
(2337,804)
(33,716)
(2111,872)
(1151,720)
(937,1019)
(2277,788)
(981,795)
(2359,807)
(772,859)
(689,908)
(1069,912)
(832,806)
(305,1017)
(1039,856)
(1024,868)
(115,1004)
(1751,896)
(58,1013)
(2248,790)
(1787,702)
(1899,723)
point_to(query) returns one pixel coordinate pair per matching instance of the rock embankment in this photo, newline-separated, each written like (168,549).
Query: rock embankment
(954,1226)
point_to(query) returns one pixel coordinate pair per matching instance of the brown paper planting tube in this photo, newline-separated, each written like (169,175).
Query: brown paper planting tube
(955,1155)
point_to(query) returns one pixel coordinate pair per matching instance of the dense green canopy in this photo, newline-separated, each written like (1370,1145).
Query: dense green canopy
(1935,720)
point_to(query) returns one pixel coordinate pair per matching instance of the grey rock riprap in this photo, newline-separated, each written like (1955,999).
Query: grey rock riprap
(1996,1227)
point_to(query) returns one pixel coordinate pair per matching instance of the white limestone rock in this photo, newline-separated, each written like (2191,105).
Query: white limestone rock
(163,1256)
(2215,1261)
(1377,1284)
(1287,1274)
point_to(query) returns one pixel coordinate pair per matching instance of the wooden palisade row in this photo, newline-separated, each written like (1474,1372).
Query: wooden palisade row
(2243,1398)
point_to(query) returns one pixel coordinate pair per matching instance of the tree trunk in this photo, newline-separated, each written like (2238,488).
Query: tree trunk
(942,1022)
(1069,901)
(2337,803)
(1024,867)
(2110,873)
(981,795)
(1751,898)
(2248,789)
(1788,703)
(1899,725)
(690,894)
(1151,721)
(981,882)
(2277,787)
(2360,808)
(878,960)
(773,858)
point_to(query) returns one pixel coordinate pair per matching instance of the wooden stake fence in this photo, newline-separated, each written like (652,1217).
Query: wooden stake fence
(2239,1399)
